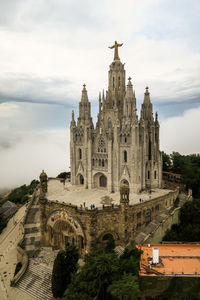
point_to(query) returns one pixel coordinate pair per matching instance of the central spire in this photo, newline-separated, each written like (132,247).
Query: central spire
(115,46)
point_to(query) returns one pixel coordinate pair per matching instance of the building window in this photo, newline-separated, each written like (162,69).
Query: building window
(80,153)
(155,175)
(109,123)
(149,149)
(102,162)
(148,175)
(125,139)
(119,82)
(99,163)
(113,83)
(101,145)
(93,162)
(81,179)
(125,156)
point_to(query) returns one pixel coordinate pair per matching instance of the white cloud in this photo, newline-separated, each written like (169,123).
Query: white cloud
(50,48)
(48,150)
(181,134)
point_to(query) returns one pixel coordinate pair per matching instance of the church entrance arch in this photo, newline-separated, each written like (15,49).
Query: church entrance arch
(81,179)
(124,181)
(64,230)
(102,181)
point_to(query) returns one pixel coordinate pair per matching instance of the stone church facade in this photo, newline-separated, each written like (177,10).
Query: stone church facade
(121,148)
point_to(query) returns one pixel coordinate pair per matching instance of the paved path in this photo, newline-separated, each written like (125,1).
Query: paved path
(9,239)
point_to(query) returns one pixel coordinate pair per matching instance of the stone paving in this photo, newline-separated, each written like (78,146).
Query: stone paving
(9,239)
(78,195)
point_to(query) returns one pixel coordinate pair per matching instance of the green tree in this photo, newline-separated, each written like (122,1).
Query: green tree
(94,277)
(110,245)
(64,175)
(167,164)
(129,260)
(127,288)
(188,229)
(64,266)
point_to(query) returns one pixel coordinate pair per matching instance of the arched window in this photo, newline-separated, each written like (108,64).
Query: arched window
(113,83)
(125,156)
(125,139)
(148,216)
(124,181)
(148,175)
(155,175)
(99,162)
(119,82)
(81,179)
(80,153)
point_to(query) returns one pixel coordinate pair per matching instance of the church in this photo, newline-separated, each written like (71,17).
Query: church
(116,172)
(121,148)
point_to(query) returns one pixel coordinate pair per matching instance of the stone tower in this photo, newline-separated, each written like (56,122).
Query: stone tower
(121,149)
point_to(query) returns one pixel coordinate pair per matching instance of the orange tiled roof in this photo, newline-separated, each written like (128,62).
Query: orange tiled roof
(174,260)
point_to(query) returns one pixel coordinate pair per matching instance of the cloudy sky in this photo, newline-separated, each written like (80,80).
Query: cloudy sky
(49,48)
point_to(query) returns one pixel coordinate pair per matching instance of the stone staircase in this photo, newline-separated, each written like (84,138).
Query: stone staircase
(36,281)
(32,229)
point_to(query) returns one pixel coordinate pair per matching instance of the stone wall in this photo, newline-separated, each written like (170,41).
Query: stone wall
(91,227)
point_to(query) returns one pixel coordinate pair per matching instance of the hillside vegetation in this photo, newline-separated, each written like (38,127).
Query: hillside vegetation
(186,165)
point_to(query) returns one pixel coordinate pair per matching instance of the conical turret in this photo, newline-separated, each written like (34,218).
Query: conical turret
(147,109)
(73,123)
(84,97)
(129,108)
(84,106)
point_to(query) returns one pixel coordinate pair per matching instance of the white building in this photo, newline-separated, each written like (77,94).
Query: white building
(121,148)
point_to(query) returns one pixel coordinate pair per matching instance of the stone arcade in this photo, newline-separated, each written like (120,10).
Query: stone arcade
(121,148)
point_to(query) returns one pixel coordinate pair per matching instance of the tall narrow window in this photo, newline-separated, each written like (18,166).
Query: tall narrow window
(125,139)
(109,123)
(119,82)
(125,156)
(113,83)
(155,175)
(80,153)
(148,175)
(149,149)
(102,162)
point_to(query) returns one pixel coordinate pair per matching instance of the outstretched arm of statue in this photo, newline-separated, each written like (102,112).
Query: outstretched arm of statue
(119,45)
(112,47)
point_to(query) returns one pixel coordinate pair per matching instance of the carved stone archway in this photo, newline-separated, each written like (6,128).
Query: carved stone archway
(64,229)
